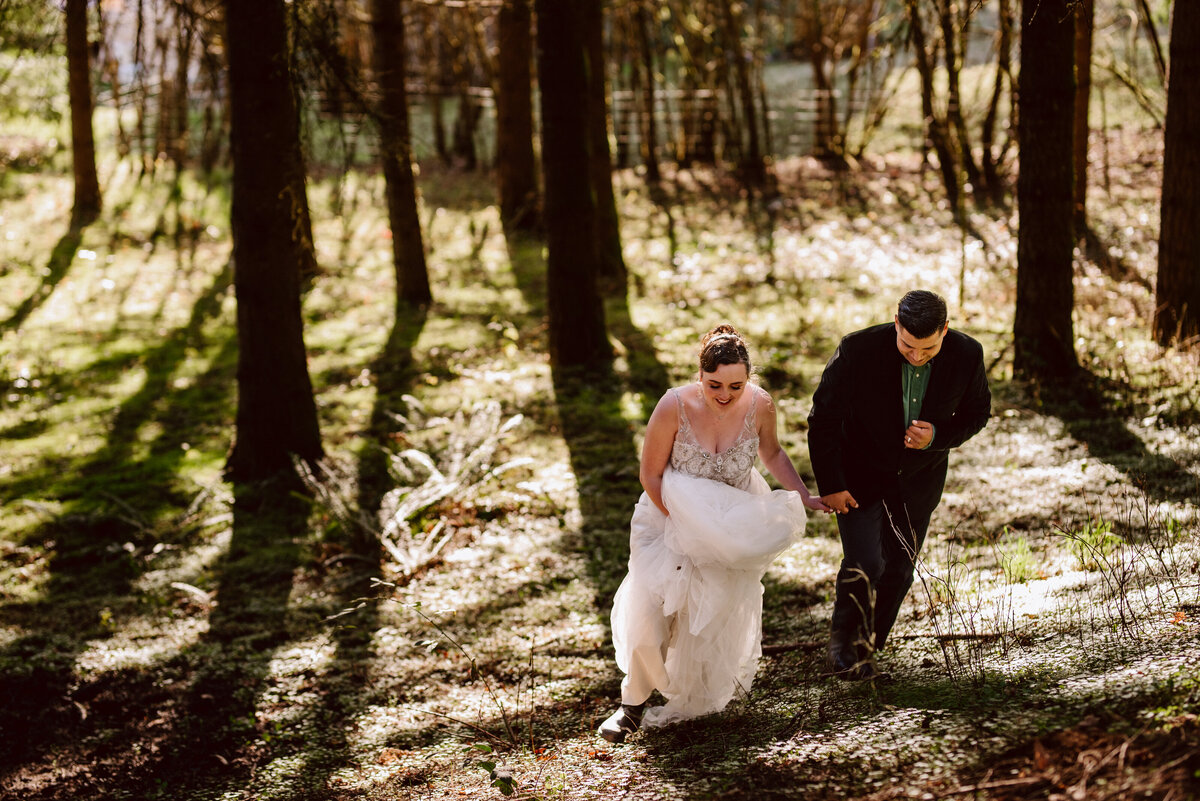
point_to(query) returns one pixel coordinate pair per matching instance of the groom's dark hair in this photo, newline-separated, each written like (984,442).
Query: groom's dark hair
(922,313)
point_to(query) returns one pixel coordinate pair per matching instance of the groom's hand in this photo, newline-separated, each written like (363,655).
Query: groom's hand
(840,502)
(918,435)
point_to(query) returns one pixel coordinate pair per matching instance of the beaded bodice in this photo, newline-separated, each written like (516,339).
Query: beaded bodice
(731,466)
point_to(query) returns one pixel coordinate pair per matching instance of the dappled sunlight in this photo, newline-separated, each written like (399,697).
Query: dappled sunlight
(141,643)
(146,635)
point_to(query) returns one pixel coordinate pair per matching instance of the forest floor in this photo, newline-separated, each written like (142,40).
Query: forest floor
(166,635)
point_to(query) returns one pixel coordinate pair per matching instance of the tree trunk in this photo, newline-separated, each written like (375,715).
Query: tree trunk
(276,414)
(613,275)
(464,130)
(935,127)
(395,145)
(990,160)
(435,67)
(516,164)
(1084,15)
(1160,64)
(648,133)
(462,147)
(1177,316)
(576,312)
(178,140)
(627,120)
(139,58)
(1043,335)
(83,144)
(216,118)
(954,29)
(824,127)
(751,162)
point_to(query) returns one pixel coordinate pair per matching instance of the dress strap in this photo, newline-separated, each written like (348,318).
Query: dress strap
(685,425)
(751,421)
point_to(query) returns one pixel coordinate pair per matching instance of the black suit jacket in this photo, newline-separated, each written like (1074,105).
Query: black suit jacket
(856,427)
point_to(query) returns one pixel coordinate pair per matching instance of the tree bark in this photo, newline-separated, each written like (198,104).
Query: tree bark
(395,144)
(79,88)
(1043,334)
(1177,316)
(751,163)
(1160,64)
(1084,15)
(935,126)
(955,28)
(990,160)
(178,136)
(613,275)
(516,165)
(576,312)
(648,131)
(825,126)
(276,414)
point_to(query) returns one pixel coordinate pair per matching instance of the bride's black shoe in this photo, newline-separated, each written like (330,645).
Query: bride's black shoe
(625,721)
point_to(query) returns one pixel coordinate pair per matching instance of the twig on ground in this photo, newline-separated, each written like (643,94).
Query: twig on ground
(782,648)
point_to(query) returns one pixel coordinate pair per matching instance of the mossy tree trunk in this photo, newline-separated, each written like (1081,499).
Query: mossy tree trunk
(613,275)
(79,88)
(1043,332)
(395,145)
(578,337)
(516,165)
(276,414)
(1084,15)
(1177,317)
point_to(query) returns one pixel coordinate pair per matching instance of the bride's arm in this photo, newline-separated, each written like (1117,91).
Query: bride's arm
(656,450)
(775,459)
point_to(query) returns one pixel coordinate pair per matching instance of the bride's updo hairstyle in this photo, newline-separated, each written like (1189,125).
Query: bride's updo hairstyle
(723,345)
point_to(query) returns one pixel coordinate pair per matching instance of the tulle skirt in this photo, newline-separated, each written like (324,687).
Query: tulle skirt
(687,619)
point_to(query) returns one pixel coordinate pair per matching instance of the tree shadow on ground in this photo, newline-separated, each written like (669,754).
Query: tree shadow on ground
(56,269)
(360,556)
(122,506)
(599,438)
(1089,414)
(603,450)
(214,733)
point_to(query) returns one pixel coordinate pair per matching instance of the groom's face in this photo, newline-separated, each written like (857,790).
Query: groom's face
(919,350)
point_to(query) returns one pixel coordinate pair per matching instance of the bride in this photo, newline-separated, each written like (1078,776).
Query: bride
(687,619)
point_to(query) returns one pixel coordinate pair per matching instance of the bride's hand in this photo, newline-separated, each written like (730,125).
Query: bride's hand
(814,503)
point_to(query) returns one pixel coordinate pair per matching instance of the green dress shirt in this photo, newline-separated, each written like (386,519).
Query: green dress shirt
(913,382)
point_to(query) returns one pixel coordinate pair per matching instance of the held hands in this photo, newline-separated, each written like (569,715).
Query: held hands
(918,435)
(815,504)
(840,502)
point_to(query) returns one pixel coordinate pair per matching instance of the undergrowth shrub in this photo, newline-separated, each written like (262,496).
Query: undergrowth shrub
(1094,544)
(408,525)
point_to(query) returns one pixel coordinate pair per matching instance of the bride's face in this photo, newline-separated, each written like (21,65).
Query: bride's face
(724,386)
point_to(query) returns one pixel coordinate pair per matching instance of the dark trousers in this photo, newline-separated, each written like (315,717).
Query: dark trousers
(880,543)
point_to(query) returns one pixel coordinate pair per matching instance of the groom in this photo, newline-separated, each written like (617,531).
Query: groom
(892,402)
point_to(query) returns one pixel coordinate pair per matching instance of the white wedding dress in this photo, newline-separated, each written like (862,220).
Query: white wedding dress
(687,619)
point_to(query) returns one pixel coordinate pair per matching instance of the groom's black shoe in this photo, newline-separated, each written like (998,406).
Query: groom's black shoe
(848,661)
(865,670)
(842,656)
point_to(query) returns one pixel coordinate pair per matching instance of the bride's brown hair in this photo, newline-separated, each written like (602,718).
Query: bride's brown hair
(723,345)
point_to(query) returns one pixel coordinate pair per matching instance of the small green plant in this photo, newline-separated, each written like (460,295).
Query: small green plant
(482,756)
(1094,543)
(1017,560)
(1176,531)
